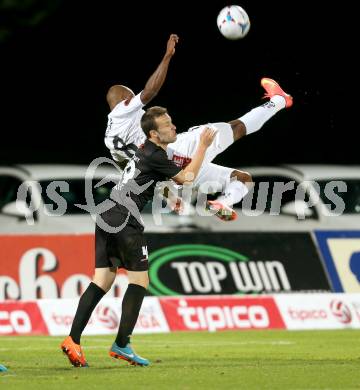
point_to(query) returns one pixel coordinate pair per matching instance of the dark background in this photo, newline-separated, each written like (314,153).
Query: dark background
(58,58)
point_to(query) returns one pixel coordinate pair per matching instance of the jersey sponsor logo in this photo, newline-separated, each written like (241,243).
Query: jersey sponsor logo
(181,161)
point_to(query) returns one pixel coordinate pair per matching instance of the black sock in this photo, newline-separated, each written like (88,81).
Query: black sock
(87,304)
(131,305)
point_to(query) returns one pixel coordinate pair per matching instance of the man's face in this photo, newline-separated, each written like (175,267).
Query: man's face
(166,129)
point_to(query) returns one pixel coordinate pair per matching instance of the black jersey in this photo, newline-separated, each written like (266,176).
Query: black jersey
(149,166)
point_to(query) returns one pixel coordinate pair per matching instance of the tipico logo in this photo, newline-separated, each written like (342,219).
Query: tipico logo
(107,317)
(196,269)
(341,311)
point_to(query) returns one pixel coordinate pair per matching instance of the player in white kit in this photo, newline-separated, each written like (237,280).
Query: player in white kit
(124,134)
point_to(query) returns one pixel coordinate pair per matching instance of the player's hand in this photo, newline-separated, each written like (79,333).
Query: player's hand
(207,136)
(170,49)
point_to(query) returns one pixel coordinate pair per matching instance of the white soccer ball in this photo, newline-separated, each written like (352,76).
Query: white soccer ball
(233,22)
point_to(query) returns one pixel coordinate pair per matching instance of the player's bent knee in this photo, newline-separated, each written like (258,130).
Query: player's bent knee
(104,278)
(242,176)
(248,177)
(104,285)
(238,128)
(140,278)
(142,284)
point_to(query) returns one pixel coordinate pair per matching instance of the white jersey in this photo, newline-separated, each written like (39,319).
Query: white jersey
(123,133)
(183,149)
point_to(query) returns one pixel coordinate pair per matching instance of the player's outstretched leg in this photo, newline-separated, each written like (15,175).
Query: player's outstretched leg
(103,280)
(130,309)
(272,89)
(257,117)
(222,211)
(234,191)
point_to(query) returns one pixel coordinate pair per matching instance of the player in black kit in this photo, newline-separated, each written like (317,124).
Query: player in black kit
(119,237)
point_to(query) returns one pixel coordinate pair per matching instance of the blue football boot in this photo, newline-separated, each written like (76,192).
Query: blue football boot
(127,353)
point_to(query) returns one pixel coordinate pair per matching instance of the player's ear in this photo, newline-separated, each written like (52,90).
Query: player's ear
(128,100)
(153,133)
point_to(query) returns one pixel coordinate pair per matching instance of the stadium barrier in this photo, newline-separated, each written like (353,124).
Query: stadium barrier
(61,266)
(199,281)
(200,313)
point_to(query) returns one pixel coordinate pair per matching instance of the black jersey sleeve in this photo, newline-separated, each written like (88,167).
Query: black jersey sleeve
(159,162)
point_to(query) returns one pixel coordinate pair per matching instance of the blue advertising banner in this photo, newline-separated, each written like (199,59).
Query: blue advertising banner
(341,254)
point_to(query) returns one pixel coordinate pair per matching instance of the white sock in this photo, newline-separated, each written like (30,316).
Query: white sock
(233,193)
(255,119)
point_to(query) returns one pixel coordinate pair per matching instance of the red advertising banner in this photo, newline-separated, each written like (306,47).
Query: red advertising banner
(21,318)
(206,313)
(221,313)
(49,266)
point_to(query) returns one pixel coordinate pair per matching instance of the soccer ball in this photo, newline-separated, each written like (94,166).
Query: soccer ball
(233,22)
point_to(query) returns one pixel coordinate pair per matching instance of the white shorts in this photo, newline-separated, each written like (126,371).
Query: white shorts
(182,150)
(213,178)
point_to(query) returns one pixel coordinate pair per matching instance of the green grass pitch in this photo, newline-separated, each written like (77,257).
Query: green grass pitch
(222,360)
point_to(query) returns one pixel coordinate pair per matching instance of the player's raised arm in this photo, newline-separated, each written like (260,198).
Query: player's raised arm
(189,173)
(157,79)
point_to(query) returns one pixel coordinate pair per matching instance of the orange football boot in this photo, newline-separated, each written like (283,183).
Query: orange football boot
(225,213)
(74,352)
(272,88)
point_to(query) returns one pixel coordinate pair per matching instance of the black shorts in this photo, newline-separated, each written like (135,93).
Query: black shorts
(124,249)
